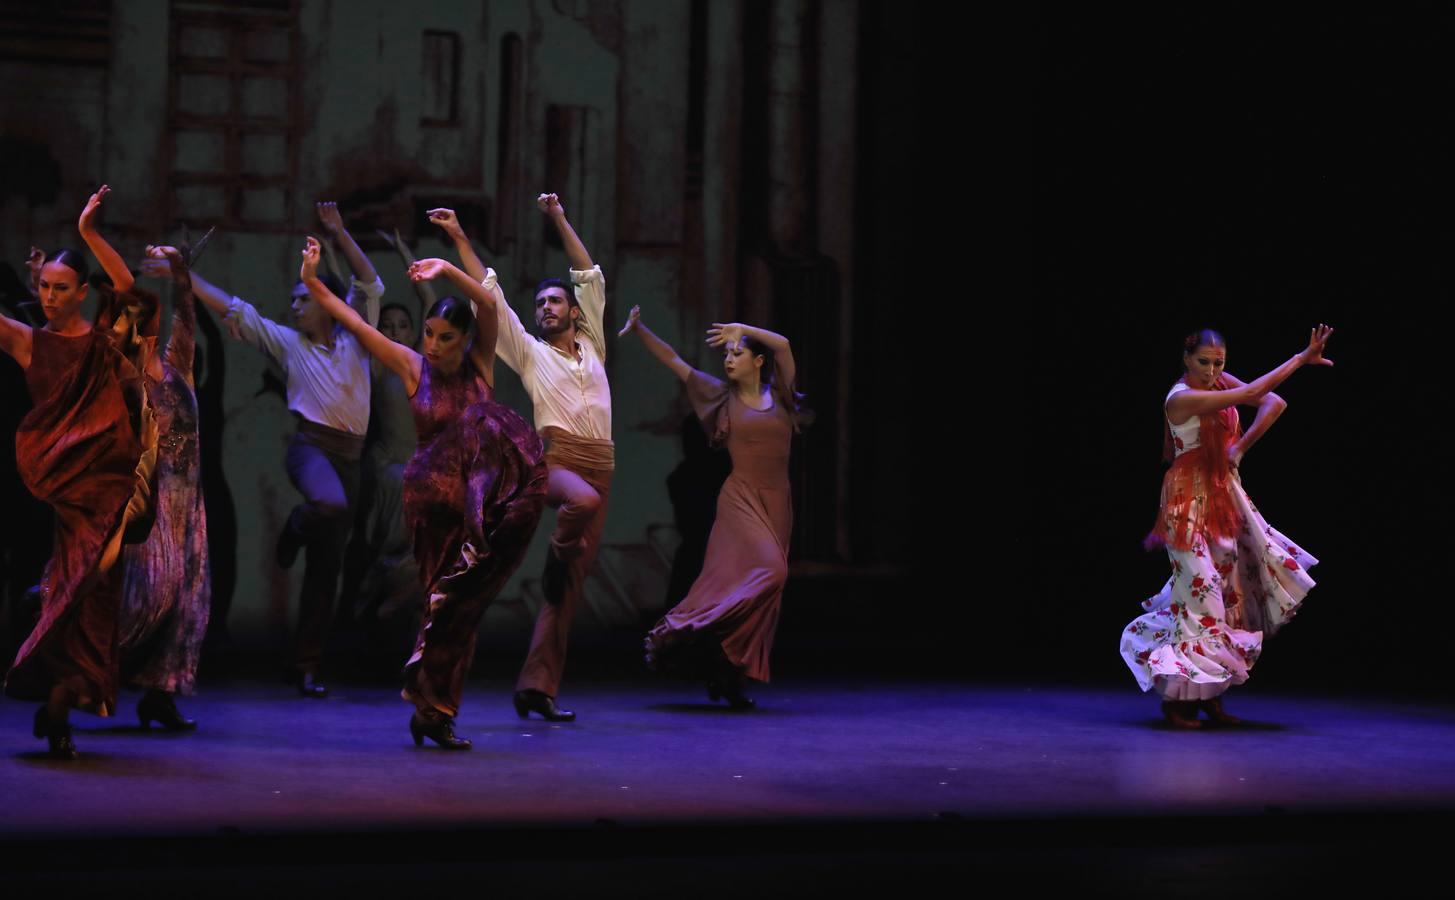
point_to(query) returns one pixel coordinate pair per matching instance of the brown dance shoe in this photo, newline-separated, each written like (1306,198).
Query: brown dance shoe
(1181,713)
(1215,714)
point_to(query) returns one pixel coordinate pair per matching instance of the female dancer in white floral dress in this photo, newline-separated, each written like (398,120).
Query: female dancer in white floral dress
(1235,580)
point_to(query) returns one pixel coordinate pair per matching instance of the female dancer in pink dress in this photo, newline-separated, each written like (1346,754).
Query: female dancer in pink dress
(1234,579)
(473,490)
(723,629)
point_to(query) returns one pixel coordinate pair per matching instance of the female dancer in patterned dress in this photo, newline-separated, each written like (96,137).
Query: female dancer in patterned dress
(723,629)
(1234,579)
(473,490)
(83,449)
(167,596)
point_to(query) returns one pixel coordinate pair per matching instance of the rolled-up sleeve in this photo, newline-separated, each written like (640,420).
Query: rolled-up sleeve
(512,342)
(364,297)
(590,287)
(265,334)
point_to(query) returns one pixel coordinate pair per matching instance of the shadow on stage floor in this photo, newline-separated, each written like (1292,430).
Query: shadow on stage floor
(657,792)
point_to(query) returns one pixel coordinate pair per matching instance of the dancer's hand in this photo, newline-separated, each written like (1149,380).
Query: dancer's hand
(311,251)
(328,215)
(88,215)
(1318,338)
(428,269)
(154,267)
(724,334)
(448,222)
(1235,454)
(632,319)
(550,204)
(35,261)
(169,260)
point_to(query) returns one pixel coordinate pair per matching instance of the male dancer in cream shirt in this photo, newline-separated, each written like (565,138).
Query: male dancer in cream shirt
(564,371)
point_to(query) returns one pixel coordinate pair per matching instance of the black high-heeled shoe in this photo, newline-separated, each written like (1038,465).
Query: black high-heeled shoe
(161,707)
(440,730)
(717,690)
(57,736)
(529,701)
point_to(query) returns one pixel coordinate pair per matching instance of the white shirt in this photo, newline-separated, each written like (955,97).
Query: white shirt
(329,387)
(566,392)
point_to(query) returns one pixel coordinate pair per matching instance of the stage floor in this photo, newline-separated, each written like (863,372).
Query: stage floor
(265,760)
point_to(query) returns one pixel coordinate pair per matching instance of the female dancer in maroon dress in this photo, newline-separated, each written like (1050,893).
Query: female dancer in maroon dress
(167,595)
(724,627)
(473,490)
(80,449)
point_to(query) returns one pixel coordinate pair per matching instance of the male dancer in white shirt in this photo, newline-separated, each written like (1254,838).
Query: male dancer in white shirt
(564,371)
(327,375)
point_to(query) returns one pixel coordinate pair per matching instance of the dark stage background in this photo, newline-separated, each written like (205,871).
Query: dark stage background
(1256,171)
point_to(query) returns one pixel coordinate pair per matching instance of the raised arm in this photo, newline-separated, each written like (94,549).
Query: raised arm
(550,204)
(656,346)
(450,225)
(182,342)
(397,357)
(482,346)
(111,262)
(212,296)
(16,340)
(364,294)
(1186,404)
(723,334)
(1270,407)
(424,296)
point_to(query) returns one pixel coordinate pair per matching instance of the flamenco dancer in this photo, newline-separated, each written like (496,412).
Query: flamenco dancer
(564,371)
(83,449)
(167,596)
(328,393)
(1235,580)
(473,490)
(723,629)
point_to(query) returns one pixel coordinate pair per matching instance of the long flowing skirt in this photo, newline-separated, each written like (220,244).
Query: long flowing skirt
(1205,629)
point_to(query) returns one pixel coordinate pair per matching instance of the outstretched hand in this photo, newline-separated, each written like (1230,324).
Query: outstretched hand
(632,320)
(427,269)
(724,334)
(550,204)
(311,252)
(88,215)
(1318,339)
(447,221)
(328,214)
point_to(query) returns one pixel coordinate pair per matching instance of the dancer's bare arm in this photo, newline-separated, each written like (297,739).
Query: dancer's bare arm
(656,346)
(397,357)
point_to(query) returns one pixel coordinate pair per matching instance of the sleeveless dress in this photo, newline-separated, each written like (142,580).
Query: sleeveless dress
(1204,630)
(473,494)
(78,451)
(736,599)
(167,597)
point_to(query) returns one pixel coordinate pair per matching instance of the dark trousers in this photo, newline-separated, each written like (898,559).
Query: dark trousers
(326,473)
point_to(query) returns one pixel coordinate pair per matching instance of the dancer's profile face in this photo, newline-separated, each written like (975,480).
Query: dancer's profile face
(740,364)
(309,317)
(61,292)
(554,312)
(444,344)
(394,324)
(1204,365)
